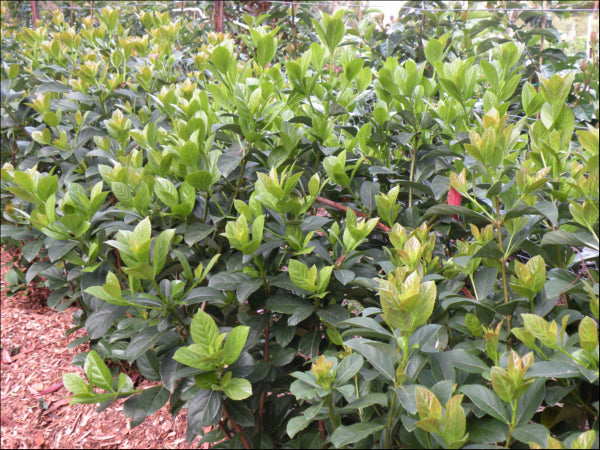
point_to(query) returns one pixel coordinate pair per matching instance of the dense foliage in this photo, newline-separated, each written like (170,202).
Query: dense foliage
(372,238)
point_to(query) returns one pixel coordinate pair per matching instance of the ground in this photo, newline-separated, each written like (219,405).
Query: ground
(35,355)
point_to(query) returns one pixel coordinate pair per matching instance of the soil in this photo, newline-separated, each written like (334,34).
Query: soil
(34,404)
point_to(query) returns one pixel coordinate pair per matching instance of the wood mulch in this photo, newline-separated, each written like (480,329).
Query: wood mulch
(34,358)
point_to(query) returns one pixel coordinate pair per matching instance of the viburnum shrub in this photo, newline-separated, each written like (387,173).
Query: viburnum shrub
(343,249)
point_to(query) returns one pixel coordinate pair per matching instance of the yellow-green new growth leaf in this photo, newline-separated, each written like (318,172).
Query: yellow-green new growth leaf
(584,440)
(238,389)
(204,332)
(454,423)
(161,249)
(301,276)
(428,406)
(588,334)
(501,384)
(234,344)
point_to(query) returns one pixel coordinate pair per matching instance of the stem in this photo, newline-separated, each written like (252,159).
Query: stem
(412,170)
(216,203)
(513,421)
(388,427)
(263,394)
(205,214)
(584,404)
(345,208)
(323,434)
(360,410)
(335,421)
(237,185)
(160,295)
(503,259)
(237,429)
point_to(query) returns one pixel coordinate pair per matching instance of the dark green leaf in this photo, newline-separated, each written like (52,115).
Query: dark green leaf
(203,294)
(349,366)
(379,360)
(530,401)
(204,410)
(344,435)
(486,400)
(532,432)
(552,369)
(138,407)
(333,314)
(142,342)
(447,210)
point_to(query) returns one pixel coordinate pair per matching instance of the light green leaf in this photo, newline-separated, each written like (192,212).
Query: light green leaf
(75,384)
(204,332)
(238,389)
(97,372)
(234,344)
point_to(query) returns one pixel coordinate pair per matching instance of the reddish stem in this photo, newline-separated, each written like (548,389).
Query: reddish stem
(323,435)
(345,208)
(238,429)
(465,290)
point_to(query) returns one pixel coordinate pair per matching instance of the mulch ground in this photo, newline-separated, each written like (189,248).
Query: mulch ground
(34,404)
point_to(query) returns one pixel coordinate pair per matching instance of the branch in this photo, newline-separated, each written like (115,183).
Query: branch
(237,429)
(345,208)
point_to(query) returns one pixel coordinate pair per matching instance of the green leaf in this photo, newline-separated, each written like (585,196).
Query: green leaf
(203,294)
(364,402)
(234,344)
(552,369)
(296,424)
(166,192)
(451,88)
(447,210)
(204,410)
(301,276)
(204,332)
(142,271)
(161,249)
(142,342)
(200,179)
(238,389)
(434,50)
(487,430)
(368,323)
(140,406)
(588,334)
(490,73)
(194,356)
(196,232)
(302,312)
(379,360)
(75,384)
(221,58)
(99,292)
(454,422)
(486,400)
(97,372)
(485,278)
(532,432)
(467,362)
(333,314)
(561,237)
(530,401)
(344,435)
(349,367)
(502,384)
(90,398)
